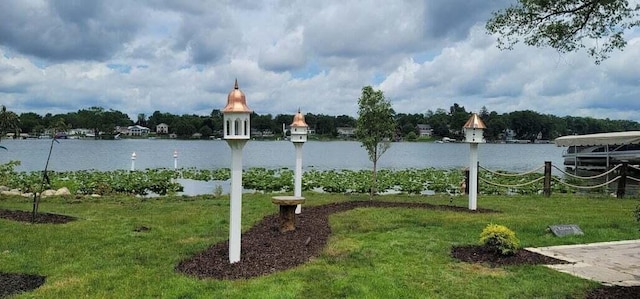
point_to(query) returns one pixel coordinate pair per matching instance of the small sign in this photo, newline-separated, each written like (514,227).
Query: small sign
(565,230)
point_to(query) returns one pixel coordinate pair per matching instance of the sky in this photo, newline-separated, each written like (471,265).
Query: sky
(182,57)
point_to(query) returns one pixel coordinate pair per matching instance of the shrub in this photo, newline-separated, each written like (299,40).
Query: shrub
(500,238)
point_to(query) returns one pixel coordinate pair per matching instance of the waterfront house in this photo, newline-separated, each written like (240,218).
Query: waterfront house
(346,132)
(137,130)
(162,128)
(424,130)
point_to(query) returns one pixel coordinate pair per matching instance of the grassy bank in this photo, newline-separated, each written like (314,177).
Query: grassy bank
(373,252)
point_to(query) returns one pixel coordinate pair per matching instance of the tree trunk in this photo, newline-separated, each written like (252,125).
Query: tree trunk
(374,183)
(374,180)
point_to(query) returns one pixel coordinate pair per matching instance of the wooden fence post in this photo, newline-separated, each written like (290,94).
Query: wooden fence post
(466,181)
(547,178)
(622,182)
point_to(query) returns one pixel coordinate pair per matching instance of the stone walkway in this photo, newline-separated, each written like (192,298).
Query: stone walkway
(610,263)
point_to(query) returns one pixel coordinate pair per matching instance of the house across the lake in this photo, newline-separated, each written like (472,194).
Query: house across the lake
(137,130)
(162,128)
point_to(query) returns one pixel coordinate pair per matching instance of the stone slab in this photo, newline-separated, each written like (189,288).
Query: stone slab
(561,230)
(610,263)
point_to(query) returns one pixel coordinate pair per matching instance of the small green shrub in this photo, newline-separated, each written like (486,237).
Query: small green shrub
(636,213)
(500,238)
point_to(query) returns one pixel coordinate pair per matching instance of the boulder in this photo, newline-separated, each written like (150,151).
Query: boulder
(4,188)
(49,192)
(64,191)
(10,193)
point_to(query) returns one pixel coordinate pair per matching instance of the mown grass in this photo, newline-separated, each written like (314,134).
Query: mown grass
(373,252)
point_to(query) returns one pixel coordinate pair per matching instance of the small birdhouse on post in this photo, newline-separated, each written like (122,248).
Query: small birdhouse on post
(237,132)
(473,134)
(298,138)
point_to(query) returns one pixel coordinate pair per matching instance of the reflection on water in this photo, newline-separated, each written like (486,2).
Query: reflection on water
(216,187)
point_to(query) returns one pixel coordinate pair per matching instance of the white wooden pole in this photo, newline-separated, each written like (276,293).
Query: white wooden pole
(235,221)
(133,161)
(473,176)
(297,185)
(175,159)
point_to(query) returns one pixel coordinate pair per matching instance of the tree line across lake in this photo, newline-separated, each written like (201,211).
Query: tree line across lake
(522,125)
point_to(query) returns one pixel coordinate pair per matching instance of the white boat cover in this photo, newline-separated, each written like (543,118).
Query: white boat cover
(628,137)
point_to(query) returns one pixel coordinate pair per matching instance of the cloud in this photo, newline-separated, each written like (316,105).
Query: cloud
(286,54)
(182,57)
(67,30)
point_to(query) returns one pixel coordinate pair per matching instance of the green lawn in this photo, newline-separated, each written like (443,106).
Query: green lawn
(373,252)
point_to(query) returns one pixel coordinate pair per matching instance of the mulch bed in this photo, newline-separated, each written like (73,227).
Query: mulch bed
(14,283)
(483,254)
(45,218)
(265,250)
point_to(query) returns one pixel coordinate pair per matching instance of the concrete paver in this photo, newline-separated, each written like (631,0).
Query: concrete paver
(610,263)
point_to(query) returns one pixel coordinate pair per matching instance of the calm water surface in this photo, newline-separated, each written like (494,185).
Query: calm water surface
(211,154)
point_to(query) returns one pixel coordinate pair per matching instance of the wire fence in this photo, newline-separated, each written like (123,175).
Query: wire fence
(540,179)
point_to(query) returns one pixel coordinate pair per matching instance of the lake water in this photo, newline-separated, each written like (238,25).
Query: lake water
(210,154)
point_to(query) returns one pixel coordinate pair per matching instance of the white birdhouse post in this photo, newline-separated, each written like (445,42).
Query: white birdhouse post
(236,129)
(133,161)
(175,159)
(298,138)
(473,130)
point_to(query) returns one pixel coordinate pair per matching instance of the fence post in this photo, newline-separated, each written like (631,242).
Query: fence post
(547,178)
(466,181)
(622,181)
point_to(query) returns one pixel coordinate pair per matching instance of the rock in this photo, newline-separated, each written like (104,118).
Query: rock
(27,195)
(64,191)
(49,192)
(10,193)
(96,195)
(4,188)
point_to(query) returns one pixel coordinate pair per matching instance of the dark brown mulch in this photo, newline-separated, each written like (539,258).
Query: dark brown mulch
(483,254)
(44,218)
(14,283)
(265,250)
(614,292)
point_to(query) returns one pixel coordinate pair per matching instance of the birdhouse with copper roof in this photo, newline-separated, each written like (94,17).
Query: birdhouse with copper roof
(236,115)
(473,129)
(299,128)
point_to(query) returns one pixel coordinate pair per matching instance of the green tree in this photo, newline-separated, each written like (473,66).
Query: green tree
(439,122)
(29,121)
(9,122)
(142,120)
(375,127)
(565,25)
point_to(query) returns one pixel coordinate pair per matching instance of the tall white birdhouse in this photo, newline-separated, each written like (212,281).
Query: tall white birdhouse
(236,115)
(473,130)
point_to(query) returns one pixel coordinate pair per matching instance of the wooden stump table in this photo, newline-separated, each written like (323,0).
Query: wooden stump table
(288,206)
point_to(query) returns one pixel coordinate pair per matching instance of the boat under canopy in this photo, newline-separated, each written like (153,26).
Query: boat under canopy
(629,137)
(600,150)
